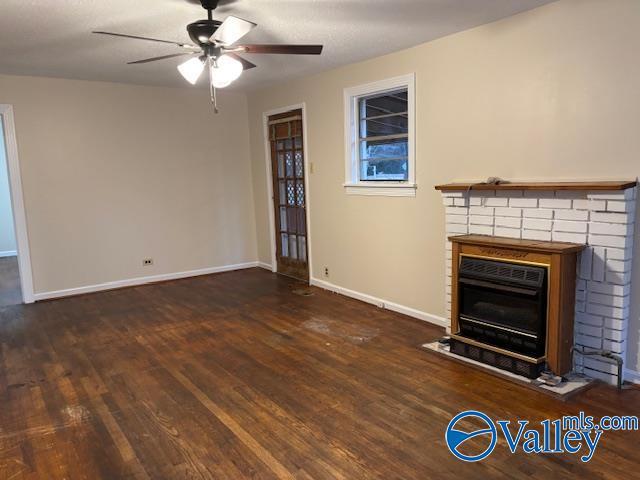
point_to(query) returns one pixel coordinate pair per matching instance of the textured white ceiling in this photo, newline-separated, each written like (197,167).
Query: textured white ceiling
(53,37)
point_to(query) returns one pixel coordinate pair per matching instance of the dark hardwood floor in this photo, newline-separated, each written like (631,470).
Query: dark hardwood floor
(232,376)
(10,292)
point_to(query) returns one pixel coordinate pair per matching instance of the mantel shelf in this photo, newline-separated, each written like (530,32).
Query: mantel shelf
(542,186)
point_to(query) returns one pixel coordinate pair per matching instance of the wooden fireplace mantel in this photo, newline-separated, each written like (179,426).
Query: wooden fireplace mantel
(541,186)
(559,258)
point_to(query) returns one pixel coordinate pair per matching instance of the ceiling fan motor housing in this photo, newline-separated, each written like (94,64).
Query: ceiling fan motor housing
(202,30)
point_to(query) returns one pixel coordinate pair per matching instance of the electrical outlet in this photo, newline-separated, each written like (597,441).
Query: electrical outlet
(326,272)
(147,262)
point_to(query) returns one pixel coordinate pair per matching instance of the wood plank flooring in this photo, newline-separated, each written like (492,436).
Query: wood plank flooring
(10,292)
(232,376)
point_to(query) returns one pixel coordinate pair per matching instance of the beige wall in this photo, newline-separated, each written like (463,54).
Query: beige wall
(116,173)
(7,235)
(553,93)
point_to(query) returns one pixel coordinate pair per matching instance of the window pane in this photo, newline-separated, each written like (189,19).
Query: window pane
(384,149)
(385,125)
(384,103)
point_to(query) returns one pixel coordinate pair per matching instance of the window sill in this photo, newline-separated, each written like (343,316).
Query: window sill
(382,189)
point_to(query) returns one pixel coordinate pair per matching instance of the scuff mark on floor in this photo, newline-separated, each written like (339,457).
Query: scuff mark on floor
(351,332)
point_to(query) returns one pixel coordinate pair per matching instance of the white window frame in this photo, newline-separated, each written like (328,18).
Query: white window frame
(353,185)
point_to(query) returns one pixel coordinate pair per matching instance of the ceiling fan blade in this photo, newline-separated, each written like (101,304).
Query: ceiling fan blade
(135,37)
(232,30)
(155,59)
(246,64)
(281,49)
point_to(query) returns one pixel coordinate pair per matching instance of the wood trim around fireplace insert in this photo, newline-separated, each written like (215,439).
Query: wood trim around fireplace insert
(560,260)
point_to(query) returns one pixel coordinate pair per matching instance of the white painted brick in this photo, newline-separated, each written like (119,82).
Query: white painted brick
(607,289)
(581,307)
(461,202)
(536,224)
(607,311)
(589,330)
(619,254)
(555,203)
(586,261)
(481,220)
(481,210)
(605,377)
(612,195)
(510,222)
(508,212)
(615,335)
(610,300)
(507,232)
(608,217)
(540,194)
(574,215)
(536,235)
(593,363)
(538,213)
(480,230)
(524,202)
(615,347)
(483,193)
(587,341)
(475,201)
(572,194)
(615,324)
(589,319)
(456,211)
(618,278)
(581,285)
(496,202)
(569,226)
(569,237)
(613,206)
(598,264)
(457,228)
(611,228)
(461,219)
(509,193)
(447,201)
(454,194)
(593,205)
(581,296)
(610,241)
(619,265)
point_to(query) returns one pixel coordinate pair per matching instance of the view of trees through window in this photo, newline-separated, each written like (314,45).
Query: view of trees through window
(384,136)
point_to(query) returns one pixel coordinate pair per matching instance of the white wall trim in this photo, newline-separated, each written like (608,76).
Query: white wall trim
(8,253)
(270,193)
(266,266)
(381,303)
(17,204)
(132,282)
(631,375)
(353,185)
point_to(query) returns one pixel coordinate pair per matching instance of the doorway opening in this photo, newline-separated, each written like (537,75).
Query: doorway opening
(288,172)
(10,290)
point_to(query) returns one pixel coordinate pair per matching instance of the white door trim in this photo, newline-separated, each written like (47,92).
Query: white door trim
(270,193)
(17,203)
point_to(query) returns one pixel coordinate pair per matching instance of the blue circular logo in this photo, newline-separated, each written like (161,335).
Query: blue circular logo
(456,438)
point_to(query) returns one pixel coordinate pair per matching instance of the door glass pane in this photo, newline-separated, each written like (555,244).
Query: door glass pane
(282,199)
(299,165)
(291,193)
(289,164)
(284,245)
(292,219)
(288,144)
(298,143)
(300,193)
(293,247)
(303,248)
(280,165)
(283,219)
(302,226)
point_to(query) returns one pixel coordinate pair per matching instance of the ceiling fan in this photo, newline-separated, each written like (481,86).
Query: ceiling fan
(215,45)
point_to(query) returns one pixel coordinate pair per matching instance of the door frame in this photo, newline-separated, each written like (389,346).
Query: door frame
(17,203)
(307,170)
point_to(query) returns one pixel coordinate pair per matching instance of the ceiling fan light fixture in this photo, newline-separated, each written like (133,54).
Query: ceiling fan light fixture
(224,71)
(191,70)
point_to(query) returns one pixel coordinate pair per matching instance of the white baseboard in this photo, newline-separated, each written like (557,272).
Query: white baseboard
(132,282)
(378,302)
(266,266)
(8,253)
(632,375)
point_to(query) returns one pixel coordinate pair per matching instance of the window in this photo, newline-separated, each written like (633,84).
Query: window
(379,126)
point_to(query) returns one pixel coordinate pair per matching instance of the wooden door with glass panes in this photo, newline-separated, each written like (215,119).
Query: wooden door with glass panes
(289,194)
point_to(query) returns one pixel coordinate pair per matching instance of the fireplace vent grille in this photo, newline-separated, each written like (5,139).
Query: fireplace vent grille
(504,271)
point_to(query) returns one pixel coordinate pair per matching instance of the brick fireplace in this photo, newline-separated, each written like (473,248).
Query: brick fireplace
(599,215)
